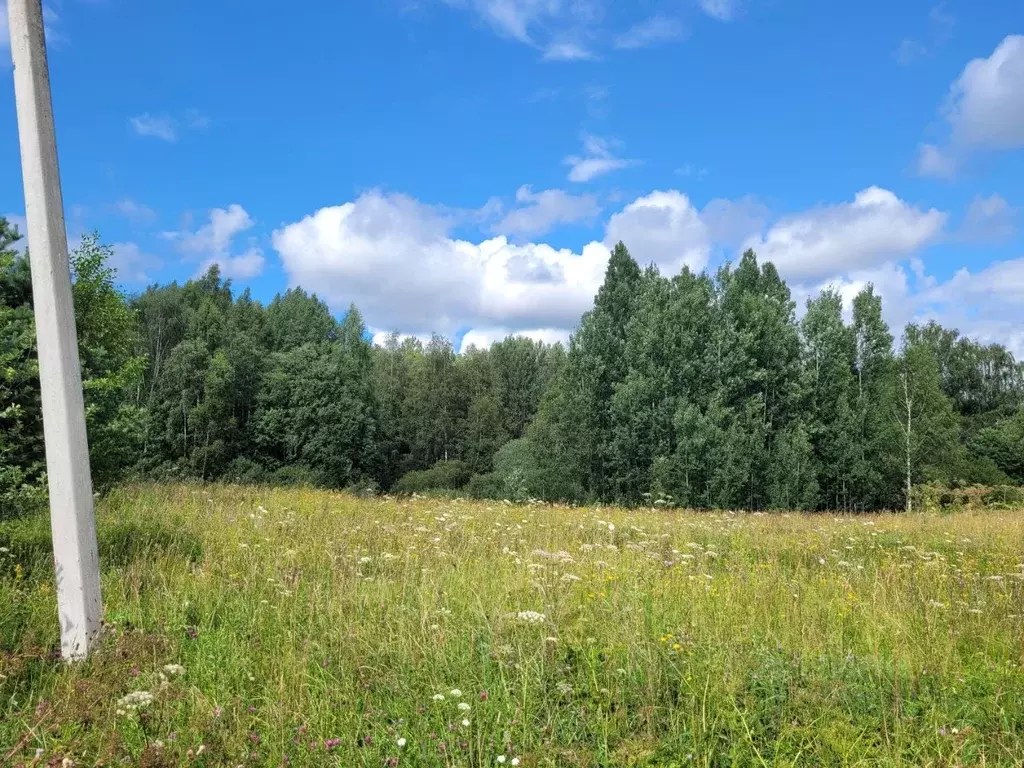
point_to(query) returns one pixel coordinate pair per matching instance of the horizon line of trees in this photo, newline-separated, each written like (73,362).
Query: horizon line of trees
(693,389)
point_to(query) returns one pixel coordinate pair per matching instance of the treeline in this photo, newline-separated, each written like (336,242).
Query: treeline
(705,391)
(694,390)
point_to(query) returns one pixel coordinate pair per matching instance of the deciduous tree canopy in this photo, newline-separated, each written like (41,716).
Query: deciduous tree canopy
(698,390)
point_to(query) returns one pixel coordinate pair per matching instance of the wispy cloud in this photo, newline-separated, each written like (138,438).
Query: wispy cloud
(940,29)
(167,127)
(723,10)
(135,212)
(157,126)
(689,170)
(559,30)
(597,159)
(567,52)
(652,31)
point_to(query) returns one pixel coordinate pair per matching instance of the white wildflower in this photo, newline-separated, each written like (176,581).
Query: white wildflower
(465,723)
(515,761)
(531,617)
(135,700)
(438,697)
(501,759)
(174,669)
(463,706)
(455,693)
(401,742)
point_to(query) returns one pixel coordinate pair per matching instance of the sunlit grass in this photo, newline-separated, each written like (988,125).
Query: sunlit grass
(321,629)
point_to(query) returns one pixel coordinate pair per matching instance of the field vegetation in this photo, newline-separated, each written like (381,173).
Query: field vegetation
(260,627)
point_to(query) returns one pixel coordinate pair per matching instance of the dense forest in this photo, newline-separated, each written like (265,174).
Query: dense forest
(693,389)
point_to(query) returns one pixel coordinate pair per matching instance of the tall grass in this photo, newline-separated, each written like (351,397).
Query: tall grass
(320,629)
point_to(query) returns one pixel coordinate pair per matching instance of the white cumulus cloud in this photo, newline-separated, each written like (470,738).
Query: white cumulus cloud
(874,228)
(212,243)
(983,110)
(393,256)
(985,303)
(989,220)
(132,263)
(397,260)
(540,212)
(662,228)
(483,338)
(247,264)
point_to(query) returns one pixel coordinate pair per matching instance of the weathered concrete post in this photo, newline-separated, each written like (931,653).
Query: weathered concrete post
(67,451)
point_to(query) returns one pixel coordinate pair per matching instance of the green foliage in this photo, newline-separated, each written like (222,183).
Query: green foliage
(829,363)
(928,426)
(1002,444)
(112,373)
(692,389)
(1005,497)
(112,370)
(485,486)
(443,476)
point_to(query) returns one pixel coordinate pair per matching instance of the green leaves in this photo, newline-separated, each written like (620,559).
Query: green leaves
(705,390)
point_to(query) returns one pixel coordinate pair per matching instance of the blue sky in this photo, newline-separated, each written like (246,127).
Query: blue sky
(463,165)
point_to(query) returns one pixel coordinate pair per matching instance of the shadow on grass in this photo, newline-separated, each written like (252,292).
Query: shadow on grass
(29,545)
(27,623)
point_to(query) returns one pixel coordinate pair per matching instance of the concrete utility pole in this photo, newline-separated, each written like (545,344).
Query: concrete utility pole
(67,451)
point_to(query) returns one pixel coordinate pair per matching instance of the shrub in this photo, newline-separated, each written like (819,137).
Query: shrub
(927,497)
(292,475)
(443,476)
(1004,496)
(486,486)
(363,488)
(245,471)
(19,496)
(982,470)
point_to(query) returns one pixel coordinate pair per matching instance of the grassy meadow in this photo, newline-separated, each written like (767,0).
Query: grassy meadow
(262,627)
